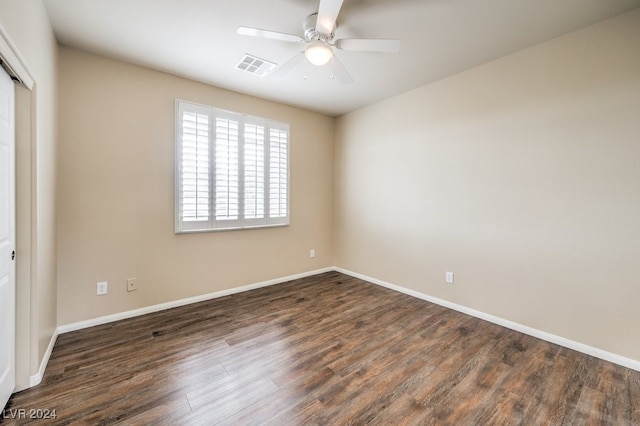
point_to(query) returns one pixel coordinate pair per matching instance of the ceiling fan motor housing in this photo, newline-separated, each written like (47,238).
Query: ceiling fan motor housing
(310,33)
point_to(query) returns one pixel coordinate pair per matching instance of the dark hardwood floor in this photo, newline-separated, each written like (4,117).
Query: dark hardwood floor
(329,349)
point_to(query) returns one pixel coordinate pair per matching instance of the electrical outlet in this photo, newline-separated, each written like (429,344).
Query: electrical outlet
(101,288)
(132,284)
(312,253)
(449,277)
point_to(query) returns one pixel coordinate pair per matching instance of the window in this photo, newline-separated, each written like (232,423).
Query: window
(232,170)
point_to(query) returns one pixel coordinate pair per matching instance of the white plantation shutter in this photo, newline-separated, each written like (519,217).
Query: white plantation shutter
(193,167)
(227,166)
(278,175)
(254,172)
(232,170)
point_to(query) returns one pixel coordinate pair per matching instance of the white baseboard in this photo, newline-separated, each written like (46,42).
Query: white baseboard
(543,335)
(37,378)
(181,302)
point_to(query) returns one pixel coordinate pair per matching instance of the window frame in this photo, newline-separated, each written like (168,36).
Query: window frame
(212,224)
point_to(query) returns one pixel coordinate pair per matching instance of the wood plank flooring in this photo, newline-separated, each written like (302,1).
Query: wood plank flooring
(328,349)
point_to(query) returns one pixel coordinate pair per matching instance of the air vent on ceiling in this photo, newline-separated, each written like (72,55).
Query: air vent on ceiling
(255,66)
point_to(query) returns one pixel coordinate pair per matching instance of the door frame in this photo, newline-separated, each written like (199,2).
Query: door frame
(26,337)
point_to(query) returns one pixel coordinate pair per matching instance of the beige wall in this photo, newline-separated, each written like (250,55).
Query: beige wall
(27,25)
(116,198)
(522,176)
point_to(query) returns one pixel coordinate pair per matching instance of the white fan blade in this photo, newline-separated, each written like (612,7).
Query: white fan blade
(340,72)
(286,67)
(369,44)
(327,15)
(274,35)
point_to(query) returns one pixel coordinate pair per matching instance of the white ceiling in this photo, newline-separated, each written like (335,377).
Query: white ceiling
(197,39)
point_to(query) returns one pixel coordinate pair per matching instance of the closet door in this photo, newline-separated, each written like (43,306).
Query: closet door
(7,238)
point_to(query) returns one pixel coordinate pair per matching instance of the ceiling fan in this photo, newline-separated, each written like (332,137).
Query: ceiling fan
(318,38)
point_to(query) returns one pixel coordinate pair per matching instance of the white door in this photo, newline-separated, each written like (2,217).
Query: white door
(7,239)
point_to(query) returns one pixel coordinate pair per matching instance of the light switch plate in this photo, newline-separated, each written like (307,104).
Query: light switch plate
(449,277)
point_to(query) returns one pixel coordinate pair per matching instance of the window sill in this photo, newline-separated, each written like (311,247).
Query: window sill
(233,228)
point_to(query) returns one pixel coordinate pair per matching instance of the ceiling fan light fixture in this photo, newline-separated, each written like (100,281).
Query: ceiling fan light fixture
(318,53)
